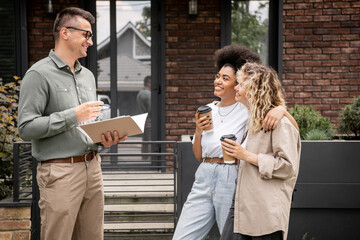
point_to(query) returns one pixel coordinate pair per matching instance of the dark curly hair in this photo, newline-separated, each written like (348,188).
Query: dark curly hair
(235,56)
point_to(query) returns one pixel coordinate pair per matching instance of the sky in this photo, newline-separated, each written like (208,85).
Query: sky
(125,11)
(264,12)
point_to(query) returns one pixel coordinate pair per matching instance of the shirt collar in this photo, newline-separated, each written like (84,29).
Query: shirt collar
(60,63)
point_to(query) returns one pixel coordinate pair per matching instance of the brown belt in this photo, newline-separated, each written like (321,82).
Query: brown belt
(218,160)
(82,158)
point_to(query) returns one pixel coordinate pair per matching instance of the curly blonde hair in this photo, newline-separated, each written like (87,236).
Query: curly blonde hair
(263,91)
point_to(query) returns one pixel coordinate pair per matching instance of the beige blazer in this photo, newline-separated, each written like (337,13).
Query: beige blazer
(263,193)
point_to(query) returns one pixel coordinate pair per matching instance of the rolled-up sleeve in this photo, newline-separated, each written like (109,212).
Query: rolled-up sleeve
(284,162)
(33,124)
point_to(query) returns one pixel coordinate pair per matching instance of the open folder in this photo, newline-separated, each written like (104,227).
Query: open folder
(125,125)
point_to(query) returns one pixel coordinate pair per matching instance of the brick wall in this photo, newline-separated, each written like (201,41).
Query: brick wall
(190,48)
(321,58)
(15,223)
(40,38)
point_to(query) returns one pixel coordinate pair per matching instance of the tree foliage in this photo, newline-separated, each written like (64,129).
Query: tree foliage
(8,133)
(144,25)
(247,29)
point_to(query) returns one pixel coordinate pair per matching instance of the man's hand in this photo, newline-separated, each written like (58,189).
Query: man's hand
(111,139)
(88,111)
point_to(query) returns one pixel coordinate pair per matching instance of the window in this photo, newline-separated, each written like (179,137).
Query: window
(250,26)
(256,24)
(133,36)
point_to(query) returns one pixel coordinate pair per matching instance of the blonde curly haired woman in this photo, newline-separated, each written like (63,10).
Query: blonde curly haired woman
(269,162)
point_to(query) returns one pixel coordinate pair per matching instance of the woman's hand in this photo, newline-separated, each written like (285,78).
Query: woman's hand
(201,123)
(272,118)
(234,149)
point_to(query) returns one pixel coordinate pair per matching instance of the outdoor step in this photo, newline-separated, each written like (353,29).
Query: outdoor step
(165,208)
(147,236)
(137,189)
(139,205)
(142,182)
(139,227)
(137,175)
(131,199)
(140,230)
(134,217)
(139,235)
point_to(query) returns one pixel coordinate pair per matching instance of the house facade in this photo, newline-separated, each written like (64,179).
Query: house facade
(313,44)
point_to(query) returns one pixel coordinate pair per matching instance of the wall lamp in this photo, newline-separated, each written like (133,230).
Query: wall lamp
(50,7)
(193,7)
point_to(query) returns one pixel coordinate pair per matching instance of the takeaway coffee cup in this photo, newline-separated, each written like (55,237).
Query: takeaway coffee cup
(206,111)
(228,159)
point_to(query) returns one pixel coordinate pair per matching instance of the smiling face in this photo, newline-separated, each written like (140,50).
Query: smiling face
(224,83)
(78,44)
(240,90)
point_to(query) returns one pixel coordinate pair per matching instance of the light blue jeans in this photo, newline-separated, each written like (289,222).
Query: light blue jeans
(209,200)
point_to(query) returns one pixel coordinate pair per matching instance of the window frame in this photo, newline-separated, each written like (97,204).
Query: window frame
(157,63)
(275,32)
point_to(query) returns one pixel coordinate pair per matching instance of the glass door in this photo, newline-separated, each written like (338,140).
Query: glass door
(133,58)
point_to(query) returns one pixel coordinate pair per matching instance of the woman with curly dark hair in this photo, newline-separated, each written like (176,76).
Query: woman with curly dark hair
(269,162)
(215,180)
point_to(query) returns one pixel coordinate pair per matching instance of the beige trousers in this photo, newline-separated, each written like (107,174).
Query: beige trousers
(71,200)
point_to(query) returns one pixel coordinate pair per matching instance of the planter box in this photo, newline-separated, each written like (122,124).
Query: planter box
(326,201)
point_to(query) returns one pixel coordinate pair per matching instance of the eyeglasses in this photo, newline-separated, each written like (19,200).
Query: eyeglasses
(88,34)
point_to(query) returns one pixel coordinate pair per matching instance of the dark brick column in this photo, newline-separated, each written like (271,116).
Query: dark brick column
(40,24)
(190,47)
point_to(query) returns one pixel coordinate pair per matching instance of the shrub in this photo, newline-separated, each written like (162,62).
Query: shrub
(316,134)
(8,134)
(312,126)
(350,118)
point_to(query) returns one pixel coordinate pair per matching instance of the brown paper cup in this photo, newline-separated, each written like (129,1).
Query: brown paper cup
(228,159)
(206,111)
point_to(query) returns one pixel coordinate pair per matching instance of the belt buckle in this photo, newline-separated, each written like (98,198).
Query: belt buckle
(85,156)
(204,158)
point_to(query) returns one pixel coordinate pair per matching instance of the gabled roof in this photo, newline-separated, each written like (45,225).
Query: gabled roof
(129,25)
(130,73)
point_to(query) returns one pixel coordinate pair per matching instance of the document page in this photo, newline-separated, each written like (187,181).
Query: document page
(125,125)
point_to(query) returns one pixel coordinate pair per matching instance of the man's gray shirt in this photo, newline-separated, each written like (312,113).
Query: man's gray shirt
(49,93)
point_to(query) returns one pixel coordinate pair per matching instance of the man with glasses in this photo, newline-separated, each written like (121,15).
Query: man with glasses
(56,95)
